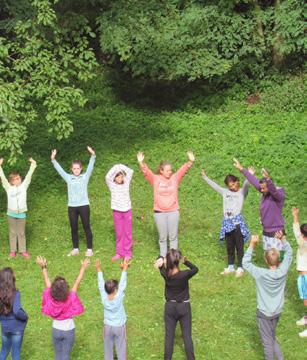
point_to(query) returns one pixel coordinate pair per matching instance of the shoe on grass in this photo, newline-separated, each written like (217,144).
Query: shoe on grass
(303,334)
(25,254)
(302,321)
(12,254)
(239,272)
(74,252)
(116,257)
(89,252)
(227,271)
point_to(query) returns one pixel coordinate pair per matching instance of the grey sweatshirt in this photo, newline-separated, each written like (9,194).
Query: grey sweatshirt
(270,284)
(232,200)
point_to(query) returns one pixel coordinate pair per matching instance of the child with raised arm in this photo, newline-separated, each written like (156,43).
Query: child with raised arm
(300,233)
(272,203)
(16,191)
(78,202)
(166,207)
(12,316)
(234,229)
(112,296)
(62,305)
(118,180)
(270,285)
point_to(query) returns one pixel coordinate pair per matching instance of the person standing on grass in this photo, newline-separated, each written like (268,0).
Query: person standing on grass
(78,202)
(177,305)
(12,317)
(272,203)
(300,233)
(270,285)
(16,191)
(62,305)
(112,296)
(166,207)
(118,180)
(234,229)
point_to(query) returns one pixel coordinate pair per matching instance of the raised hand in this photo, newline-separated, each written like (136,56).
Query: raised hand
(53,154)
(236,164)
(1,161)
(191,156)
(98,265)
(159,263)
(85,263)
(279,235)
(265,174)
(251,170)
(32,161)
(140,156)
(91,150)
(41,261)
(254,241)
(125,264)
(203,172)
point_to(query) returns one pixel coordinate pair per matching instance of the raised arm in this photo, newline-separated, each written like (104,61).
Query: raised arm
(28,177)
(193,268)
(185,167)
(277,194)
(84,264)
(123,282)
(115,170)
(18,311)
(211,183)
(58,167)
(247,259)
(148,174)
(296,227)
(100,279)
(42,262)
(247,173)
(4,180)
(284,267)
(90,166)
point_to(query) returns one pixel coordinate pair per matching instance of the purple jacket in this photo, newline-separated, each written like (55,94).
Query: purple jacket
(271,204)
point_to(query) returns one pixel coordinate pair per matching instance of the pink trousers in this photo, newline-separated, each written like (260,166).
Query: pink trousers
(123,231)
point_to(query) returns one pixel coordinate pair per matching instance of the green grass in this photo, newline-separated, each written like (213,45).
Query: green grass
(224,325)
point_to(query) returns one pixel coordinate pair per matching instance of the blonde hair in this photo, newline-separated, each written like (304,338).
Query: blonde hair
(271,257)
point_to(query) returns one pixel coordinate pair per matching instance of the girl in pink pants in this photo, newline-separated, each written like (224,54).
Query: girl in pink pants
(118,180)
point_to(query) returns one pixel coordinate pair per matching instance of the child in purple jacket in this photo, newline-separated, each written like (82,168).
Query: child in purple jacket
(271,205)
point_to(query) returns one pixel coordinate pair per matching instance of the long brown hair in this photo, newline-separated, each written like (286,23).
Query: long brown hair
(172,261)
(7,290)
(162,165)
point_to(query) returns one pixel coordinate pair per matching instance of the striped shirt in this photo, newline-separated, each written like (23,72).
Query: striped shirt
(120,195)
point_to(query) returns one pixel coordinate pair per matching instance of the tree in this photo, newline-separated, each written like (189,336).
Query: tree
(41,63)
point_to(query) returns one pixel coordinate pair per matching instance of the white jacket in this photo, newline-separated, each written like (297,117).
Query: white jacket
(17,195)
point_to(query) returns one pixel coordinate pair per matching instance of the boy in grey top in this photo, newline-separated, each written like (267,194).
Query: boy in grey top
(270,285)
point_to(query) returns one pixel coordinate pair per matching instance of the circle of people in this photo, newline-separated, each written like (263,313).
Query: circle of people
(62,304)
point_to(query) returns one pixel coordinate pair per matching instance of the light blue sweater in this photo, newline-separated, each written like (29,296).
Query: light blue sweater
(270,284)
(114,311)
(76,185)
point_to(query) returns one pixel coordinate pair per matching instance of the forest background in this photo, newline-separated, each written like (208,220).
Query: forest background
(223,78)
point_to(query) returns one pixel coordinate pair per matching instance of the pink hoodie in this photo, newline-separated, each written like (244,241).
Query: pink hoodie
(61,310)
(165,190)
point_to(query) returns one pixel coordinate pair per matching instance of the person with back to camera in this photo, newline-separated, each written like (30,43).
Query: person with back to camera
(177,305)
(78,202)
(112,296)
(62,305)
(300,233)
(166,207)
(270,286)
(234,229)
(16,191)
(118,180)
(272,203)
(12,316)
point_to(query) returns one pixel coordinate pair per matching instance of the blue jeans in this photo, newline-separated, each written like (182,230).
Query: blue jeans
(11,341)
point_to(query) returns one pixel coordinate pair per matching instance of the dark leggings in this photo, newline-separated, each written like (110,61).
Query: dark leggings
(234,240)
(73,214)
(174,312)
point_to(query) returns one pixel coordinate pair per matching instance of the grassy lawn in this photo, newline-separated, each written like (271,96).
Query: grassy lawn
(223,308)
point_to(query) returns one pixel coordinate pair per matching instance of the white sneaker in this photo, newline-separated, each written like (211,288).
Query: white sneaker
(89,252)
(303,334)
(73,252)
(239,272)
(302,321)
(228,271)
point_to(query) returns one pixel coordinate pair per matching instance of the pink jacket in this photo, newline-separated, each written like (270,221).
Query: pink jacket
(61,310)
(165,190)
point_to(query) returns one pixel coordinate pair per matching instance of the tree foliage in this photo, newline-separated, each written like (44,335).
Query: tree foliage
(189,40)
(41,62)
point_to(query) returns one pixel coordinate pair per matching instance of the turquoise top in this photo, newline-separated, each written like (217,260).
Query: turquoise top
(114,311)
(76,185)
(17,216)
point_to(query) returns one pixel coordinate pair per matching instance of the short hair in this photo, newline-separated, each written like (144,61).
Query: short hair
(110,286)
(76,162)
(59,289)
(12,175)
(230,178)
(303,229)
(272,256)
